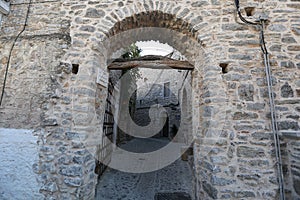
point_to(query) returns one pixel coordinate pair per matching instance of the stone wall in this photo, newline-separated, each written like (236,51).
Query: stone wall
(35,56)
(233,148)
(290,155)
(29,79)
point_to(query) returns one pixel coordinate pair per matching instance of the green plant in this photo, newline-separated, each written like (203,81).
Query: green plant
(131,52)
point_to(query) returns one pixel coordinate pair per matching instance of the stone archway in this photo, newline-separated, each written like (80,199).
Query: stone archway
(76,178)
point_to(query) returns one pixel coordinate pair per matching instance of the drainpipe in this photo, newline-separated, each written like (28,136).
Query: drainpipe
(275,129)
(274,123)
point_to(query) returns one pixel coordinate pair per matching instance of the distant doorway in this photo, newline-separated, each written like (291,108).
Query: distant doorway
(166,129)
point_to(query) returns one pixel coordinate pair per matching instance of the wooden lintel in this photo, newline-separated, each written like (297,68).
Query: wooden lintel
(153,62)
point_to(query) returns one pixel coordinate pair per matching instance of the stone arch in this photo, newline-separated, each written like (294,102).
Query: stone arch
(92,50)
(156,18)
(184,40)
(166,14)
(205,125)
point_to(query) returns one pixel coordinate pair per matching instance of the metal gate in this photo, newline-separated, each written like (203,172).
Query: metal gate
(105,149)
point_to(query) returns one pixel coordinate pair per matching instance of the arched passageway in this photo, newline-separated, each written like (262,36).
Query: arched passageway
(121,38)
(163,94)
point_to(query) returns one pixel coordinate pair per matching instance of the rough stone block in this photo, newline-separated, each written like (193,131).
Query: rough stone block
(73,182)
(258,163)
(72,135)
(277,28)
(241,57)
(210,190)
(219,159)
(275,48)
(246,92)
(250,152)
(87,28)
(247,127)
(294,48)
(261,136)
(244,116)
(243,194)
(197,20)
(49,122)
(288,125)
(287,64)
(295,117)
(215,180)
(49,187)
(256,106)
(64,160)
(94,13)
(254,177)
(71,171)
(233,27)
(288,40)
(199,3)
(211,167)
(287,91)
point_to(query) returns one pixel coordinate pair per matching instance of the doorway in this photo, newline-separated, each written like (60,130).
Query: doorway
(156,89)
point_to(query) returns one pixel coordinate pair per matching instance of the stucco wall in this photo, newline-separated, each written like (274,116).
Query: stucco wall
(18,156)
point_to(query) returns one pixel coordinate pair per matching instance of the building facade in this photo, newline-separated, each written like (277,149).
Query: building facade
(51,53)
(164,88)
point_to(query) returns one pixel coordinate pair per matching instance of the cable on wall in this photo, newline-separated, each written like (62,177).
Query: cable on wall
(10,52)
(274,123)
(237,4)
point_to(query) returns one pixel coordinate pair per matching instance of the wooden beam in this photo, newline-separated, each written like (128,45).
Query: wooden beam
(153,62)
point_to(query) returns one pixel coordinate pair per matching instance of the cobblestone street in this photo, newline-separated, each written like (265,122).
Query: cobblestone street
(117,185)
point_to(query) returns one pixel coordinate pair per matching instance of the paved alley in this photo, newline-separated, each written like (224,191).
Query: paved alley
(117,185)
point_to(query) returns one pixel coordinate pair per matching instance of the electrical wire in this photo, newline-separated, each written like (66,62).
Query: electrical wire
(237,4)
(274,123)
(32,3)
(10,52)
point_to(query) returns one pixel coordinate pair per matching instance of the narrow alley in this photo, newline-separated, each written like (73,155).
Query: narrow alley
(172,182)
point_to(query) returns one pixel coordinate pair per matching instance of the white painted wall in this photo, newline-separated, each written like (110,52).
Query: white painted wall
(18,152)
(4,7)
